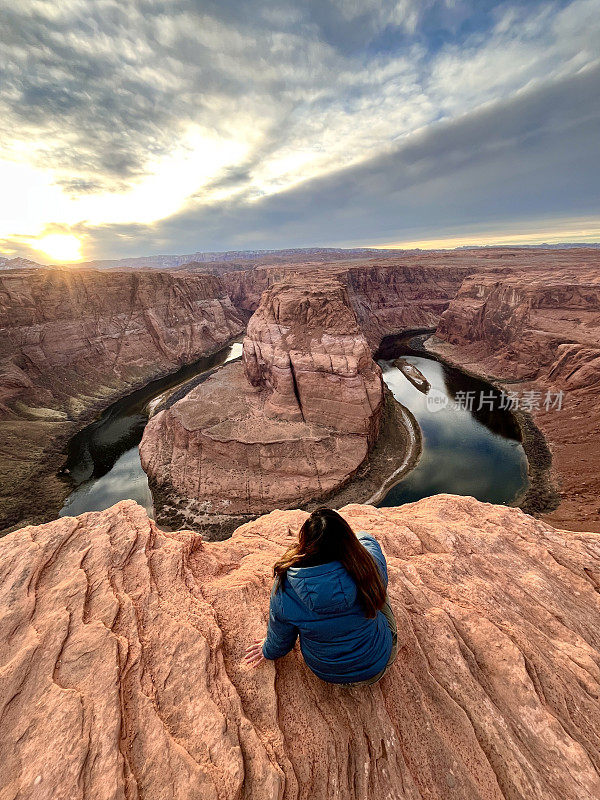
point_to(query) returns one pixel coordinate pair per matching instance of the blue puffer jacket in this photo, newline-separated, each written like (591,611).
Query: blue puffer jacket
(339,643)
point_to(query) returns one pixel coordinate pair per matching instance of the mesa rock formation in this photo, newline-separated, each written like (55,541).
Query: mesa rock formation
(538,331)
(291,423)
(305,346)
(122,677)
(73,341)
(314,409)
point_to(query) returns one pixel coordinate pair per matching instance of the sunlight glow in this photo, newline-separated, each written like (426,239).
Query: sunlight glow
(37,199)
(60,247)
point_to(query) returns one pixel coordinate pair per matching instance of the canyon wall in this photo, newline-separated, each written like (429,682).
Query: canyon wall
(388,298)
(402,291)
(538,332)
(305,347)
(74,340)
(245,287)
(289,424)
(121,654)
(387,295)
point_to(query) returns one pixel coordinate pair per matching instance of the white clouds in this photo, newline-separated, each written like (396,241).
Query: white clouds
(518,167)
(101,96)
(167,182)
(524,47)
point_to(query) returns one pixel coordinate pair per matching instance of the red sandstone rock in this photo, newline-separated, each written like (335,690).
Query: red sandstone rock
(292,423)
(61,357)
(61,326)
(122,677)
(245,287)
(387,295)
(389,298)
(541,328)
(215,452)
(305,346)
(74,340)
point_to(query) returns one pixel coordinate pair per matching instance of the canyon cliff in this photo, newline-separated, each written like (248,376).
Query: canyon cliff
(289,424)
(122,677)
(305,346)
(389,298)
(387,295)
(73,341)
(537,331)
(300,418)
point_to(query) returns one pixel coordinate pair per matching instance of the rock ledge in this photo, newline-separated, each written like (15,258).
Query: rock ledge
(121,677)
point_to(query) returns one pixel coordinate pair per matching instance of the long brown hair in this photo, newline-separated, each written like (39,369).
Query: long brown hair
(326,536)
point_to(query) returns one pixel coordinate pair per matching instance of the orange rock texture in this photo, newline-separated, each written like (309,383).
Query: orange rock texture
(387,294)
(65,331)
(291,423)
(538,331)
(304,345)
(121,671)
(72,341)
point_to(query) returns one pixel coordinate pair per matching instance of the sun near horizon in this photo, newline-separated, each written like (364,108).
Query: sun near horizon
(60,247)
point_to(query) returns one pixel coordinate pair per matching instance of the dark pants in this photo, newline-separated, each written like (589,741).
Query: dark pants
(389,615)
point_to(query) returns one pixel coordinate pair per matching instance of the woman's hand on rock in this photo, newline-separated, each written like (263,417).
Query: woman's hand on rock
(254,656)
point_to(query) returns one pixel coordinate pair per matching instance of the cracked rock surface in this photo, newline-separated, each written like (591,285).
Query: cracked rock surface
(74,340)
(121,673)
(293,421)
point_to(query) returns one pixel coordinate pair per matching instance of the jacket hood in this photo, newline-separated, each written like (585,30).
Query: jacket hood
(325,589)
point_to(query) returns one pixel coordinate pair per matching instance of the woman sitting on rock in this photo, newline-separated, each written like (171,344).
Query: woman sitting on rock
(330,589)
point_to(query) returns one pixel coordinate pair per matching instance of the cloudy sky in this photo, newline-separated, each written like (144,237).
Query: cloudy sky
(169,126)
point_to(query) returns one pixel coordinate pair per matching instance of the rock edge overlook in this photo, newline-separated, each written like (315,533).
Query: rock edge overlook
(121,673)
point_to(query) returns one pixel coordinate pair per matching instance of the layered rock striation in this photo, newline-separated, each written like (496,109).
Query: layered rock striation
(74,340)
(290,423)
(305,347)
(387,295)
(538,333)
(246,287)
(390,298)
(122,677)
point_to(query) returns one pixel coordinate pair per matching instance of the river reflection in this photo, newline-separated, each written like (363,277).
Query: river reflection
(465,452)
(103,460)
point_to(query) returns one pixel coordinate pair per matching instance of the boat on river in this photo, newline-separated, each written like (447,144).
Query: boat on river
(413,374)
